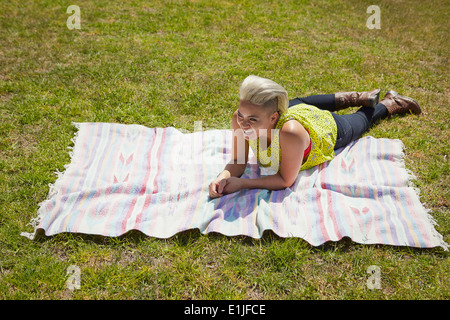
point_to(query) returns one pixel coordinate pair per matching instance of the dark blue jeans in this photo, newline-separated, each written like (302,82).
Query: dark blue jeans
(349,126)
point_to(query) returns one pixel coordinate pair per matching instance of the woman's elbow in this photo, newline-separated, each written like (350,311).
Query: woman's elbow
(288,181)
(288,184)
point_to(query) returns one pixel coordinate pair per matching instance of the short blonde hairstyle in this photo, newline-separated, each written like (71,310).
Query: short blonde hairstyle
(264,92)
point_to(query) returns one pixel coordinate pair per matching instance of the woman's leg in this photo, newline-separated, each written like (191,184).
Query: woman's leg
(340,100)
(351,126)
(321,101)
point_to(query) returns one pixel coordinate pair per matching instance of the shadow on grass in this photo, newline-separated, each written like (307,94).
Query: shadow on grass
(192,236)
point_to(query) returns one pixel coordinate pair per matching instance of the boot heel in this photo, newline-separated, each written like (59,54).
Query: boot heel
(373,99)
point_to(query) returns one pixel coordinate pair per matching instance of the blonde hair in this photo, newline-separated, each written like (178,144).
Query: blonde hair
(264,92)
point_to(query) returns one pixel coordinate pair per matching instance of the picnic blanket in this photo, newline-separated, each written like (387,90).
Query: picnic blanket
(155,180)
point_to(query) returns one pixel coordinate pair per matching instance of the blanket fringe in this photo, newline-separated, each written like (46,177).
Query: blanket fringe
(53,190)
(411,184)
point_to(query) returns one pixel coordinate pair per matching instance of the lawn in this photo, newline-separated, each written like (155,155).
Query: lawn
(171,63)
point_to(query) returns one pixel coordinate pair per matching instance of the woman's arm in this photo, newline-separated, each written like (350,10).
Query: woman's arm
(294,140)
(237,165)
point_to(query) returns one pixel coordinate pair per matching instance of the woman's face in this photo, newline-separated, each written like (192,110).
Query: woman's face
(255,121)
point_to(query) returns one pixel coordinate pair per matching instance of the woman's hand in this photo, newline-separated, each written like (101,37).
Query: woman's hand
(233,184)
(220,186)
(216,187)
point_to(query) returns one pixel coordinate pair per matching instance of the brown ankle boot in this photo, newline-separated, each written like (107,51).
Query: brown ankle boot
(397,104)
(355,99)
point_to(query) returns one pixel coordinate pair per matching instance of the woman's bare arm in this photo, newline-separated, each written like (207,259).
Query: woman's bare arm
(236,167)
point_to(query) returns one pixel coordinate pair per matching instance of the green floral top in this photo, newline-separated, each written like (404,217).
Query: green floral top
(322,131)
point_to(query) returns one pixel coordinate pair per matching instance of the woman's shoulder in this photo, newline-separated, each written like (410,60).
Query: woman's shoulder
(293,128)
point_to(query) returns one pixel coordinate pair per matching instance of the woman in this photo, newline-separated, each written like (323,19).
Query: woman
(289,136)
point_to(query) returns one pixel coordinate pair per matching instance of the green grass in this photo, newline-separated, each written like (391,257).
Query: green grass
(170,63)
